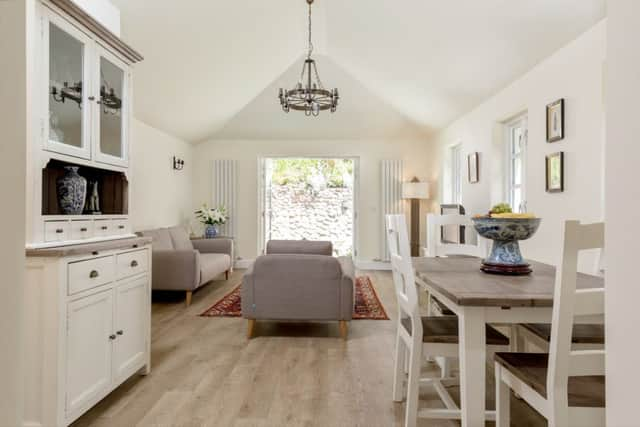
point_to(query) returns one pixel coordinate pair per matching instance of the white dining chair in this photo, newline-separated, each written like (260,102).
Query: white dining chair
(421,336)
(566,386)
(437,246)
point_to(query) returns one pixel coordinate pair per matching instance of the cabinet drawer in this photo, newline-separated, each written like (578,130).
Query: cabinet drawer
(102,228)
(56,231)
(81,230)
(120,226)
(88,274)
(132,263)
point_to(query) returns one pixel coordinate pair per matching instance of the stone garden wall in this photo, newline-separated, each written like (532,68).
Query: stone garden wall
(300,212)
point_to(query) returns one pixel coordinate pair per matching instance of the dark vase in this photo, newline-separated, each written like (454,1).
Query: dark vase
(72,191)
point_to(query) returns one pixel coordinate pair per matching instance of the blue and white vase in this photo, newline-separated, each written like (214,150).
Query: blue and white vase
(210,231)
(72,191)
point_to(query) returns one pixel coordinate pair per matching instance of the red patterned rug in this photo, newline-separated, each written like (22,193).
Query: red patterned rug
(367,304)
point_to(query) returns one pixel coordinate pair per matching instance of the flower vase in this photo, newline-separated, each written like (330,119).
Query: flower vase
(72,191)
(210,231)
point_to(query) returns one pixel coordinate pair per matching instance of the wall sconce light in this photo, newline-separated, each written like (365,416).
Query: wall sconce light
(178,164)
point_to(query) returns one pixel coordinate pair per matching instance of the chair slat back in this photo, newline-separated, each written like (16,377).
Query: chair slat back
(437,248)
(402,270)
(569,302)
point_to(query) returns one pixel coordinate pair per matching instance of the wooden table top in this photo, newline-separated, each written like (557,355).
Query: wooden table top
(460,280)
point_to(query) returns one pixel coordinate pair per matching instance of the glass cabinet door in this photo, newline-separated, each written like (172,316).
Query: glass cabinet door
(111,110)
(66,122)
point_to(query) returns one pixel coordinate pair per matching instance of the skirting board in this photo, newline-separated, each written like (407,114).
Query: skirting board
(366,264)
(243,264)
(360,264)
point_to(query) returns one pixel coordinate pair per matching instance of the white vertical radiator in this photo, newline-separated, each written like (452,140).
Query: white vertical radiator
(391,202)
(225,192)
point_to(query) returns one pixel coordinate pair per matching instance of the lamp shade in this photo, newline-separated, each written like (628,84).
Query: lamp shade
(415,190)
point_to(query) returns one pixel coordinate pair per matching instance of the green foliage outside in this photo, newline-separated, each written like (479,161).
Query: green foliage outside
(295,171)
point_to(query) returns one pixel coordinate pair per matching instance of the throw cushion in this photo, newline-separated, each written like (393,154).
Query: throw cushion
(180,238)
(161,239)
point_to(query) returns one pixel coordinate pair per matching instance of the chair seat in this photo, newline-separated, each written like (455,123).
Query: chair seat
(531,368)
(444,330)
(582,334)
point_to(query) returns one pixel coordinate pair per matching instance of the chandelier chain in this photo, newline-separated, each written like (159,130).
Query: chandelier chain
(310,51)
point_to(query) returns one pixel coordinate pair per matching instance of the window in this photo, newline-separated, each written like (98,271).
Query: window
(455,168)
(516,164)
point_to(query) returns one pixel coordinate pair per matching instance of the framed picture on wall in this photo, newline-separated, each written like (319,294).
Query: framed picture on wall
(555,172)
(473,166)
(555,121)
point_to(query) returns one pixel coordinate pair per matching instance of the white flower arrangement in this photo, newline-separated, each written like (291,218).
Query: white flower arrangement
(209,216)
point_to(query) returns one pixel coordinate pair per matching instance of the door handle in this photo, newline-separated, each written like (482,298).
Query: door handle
(93,274)
(134,263)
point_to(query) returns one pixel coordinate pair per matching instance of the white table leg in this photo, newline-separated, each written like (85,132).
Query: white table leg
(471,321)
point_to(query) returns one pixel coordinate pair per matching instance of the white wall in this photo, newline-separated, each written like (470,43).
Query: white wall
(575,73)
(104,12)
(622,204)
(161,196)
(417,157)
(13,142)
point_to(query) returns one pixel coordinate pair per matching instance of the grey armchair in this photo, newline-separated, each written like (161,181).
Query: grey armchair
(181,264)
(299,280)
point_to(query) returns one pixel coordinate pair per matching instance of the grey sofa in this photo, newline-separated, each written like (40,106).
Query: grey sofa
(299,280)
(182,264)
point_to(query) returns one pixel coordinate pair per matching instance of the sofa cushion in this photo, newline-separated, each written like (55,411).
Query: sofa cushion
(161,239)
(212,265)
(307,247)
(180,238)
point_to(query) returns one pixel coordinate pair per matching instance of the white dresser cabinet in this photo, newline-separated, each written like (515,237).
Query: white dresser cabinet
(87,325)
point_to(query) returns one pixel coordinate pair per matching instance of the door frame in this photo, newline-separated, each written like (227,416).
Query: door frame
(262,196)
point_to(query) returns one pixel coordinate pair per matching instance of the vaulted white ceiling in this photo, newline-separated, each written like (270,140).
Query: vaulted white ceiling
(212,68)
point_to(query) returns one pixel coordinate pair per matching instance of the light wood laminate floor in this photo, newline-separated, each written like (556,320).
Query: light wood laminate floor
(206,373)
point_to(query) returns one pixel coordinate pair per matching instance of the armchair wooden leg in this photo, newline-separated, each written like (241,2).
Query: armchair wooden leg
(344,329)
(188,300)
(250,326)
(226,275)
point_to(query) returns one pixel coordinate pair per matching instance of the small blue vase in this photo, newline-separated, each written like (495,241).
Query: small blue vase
(72,191)
(210,231)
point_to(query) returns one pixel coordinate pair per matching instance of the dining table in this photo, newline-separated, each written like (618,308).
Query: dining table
(479,298)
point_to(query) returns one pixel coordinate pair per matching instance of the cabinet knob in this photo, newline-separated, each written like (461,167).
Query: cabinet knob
(104,227)
(93,274)
(134,263)
(83,229)
(112,337)
(120,332)
(59,230)
(121,227)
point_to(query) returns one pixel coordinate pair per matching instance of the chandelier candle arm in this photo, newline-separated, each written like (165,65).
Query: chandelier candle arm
(309,94)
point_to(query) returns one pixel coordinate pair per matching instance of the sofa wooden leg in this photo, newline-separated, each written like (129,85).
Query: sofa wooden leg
(344,329)
(250,326)
(226,275)
(188,300)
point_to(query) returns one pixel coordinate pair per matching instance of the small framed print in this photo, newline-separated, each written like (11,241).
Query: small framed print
(555,121)
(555,172)
(473,166)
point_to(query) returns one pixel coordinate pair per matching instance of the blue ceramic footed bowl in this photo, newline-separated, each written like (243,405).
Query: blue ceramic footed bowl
(505,233)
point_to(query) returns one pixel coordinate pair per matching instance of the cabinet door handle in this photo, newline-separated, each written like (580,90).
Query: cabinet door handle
(83,229)
(134,263)
(59,230)
(92,98)
(112,337)
(120,332)
(104,227)
(93,274)
(121,227)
